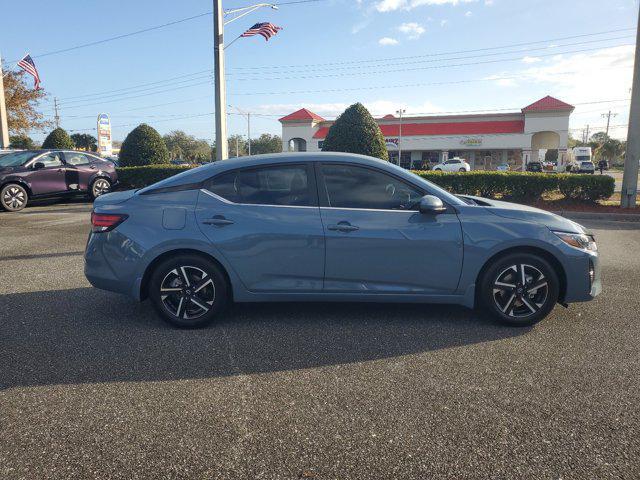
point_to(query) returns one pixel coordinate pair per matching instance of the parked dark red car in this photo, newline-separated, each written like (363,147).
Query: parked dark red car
(30,174)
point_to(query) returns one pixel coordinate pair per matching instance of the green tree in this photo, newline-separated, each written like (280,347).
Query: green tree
(143,146)
(237,146)
(355,131)
(22,142)
(266,143)
(85,141)
(187,147)
(58,138)
(551,155)
(599,137)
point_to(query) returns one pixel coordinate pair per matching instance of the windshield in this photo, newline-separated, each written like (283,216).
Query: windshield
(16,159)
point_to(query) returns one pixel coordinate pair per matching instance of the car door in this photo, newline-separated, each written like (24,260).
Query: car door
(377,243)
(266,223)
(47,174)
(79,170)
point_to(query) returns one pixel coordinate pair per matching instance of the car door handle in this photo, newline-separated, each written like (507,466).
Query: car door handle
(218,221)
(343,227)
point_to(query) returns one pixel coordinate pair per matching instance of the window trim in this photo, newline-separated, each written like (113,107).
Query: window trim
(64,156)
(311,184)
(37,158)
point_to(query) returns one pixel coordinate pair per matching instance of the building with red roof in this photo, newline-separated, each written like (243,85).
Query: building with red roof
(485,140)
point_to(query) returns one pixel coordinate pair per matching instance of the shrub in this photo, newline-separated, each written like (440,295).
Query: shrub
(58,138)
(523,186)
(589,188)
(143,146)
(355,131)
(21,142)
(139,177)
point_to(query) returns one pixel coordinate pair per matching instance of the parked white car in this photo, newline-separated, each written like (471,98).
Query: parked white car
(503,167)
(453,165)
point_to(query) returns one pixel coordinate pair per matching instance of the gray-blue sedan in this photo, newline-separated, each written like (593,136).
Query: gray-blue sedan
(332,227)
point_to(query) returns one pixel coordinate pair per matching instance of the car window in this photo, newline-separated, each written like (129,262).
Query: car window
(76,158)
(274,185)
(50,159)
(348,186)
(453,161)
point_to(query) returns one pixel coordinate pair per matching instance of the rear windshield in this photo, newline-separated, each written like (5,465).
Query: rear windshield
(586,164)
(583,157)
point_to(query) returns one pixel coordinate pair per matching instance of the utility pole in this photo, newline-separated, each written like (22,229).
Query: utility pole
(56,116)
(222,148)
(632,156)
(4,124)
(400,112)
(586,138)
(608,116)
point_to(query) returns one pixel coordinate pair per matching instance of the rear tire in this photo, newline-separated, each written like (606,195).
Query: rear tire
(518,299)
(188,291)
(462,170)
(98,187)
(13,197)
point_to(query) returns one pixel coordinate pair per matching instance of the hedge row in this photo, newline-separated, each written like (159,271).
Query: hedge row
(523,186)
(139,177)
(507,185)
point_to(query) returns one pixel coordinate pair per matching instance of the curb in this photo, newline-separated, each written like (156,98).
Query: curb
(611,217)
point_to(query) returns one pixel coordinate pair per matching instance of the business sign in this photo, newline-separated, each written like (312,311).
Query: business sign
(471,142)
(105,146)
(392,142)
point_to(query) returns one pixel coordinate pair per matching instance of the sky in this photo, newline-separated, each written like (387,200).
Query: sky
(425,56)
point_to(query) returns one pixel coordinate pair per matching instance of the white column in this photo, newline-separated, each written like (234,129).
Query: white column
(562,159)
(444,156)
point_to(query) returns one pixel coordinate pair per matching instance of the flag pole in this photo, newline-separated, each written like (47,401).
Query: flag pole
(4,124)
(232,42)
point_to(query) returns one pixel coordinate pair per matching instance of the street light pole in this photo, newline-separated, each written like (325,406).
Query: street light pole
(400,112)
(222,149)
(632,156)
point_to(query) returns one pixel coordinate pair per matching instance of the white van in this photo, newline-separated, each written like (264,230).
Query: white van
(581,161)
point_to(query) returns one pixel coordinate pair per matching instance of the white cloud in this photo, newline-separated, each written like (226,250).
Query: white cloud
(443,23)
(388,41)
(468,13)
(503,80)
(391,5)
(528,59)
(488,3)
(412,29)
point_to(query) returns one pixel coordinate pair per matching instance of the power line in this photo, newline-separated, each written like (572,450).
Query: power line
(454,52)
(433,67)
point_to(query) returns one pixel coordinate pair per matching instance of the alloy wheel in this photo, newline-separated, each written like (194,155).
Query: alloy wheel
(14,197)
(520,290)
(187,292)
(100,187)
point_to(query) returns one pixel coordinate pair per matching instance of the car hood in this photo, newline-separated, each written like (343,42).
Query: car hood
(529,214)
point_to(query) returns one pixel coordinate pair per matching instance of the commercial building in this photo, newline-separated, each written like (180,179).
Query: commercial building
(484,140)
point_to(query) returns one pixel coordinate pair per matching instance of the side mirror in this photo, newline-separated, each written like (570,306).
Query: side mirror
(38,165)
(432,205)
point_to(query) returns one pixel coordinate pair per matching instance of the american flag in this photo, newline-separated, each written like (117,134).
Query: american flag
(28,66)
(266,29)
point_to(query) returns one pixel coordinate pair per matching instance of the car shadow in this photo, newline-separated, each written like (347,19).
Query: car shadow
(86,335)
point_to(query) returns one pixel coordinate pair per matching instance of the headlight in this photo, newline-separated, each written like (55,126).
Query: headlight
(578,240)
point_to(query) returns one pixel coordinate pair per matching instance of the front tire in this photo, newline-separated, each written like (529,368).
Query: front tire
(462,170)
(188,291)
(519,289)
(13,197)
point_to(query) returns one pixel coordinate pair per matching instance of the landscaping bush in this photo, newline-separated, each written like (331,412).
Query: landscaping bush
(58,138)
(143,176)
(143,146)
(523,186)
(355,131)
(589,188)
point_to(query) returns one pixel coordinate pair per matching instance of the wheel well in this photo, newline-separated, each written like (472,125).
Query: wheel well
(181,251)
(562,276)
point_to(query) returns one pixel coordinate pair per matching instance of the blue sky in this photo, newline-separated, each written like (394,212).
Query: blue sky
(384,53)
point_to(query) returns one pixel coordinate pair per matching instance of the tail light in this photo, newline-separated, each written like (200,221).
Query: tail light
(105,222)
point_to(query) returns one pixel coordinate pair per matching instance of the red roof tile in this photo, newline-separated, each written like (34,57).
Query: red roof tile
(450,128)
(546,104)
(388,116)
(302,115)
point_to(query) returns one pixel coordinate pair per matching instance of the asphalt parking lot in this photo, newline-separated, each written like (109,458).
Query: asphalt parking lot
(93,385)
